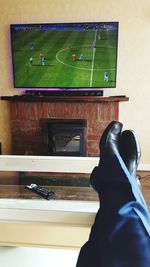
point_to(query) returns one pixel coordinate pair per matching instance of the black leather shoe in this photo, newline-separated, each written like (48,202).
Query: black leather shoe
(110,139)
(130,150)
(109,146)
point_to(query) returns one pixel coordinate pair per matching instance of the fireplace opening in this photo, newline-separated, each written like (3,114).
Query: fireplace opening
(64,137)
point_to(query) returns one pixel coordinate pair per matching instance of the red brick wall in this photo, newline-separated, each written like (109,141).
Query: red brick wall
(26,122)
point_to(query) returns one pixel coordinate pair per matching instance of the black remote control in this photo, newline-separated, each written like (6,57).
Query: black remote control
(43,192)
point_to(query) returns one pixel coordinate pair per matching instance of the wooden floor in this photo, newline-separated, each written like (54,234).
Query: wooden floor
(145,185)
(13,187)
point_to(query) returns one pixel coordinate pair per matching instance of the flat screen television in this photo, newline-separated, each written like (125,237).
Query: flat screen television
(64,57)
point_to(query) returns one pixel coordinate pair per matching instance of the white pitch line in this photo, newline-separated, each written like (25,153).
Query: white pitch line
(92,68)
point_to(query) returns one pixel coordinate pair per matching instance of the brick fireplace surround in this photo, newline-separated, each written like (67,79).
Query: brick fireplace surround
(27,113)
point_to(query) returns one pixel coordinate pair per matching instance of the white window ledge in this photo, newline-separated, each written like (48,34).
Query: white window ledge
(56,223)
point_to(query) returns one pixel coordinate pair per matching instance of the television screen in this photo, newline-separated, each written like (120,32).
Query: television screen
(65,56)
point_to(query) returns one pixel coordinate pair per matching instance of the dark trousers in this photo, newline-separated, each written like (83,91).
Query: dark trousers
(120,235)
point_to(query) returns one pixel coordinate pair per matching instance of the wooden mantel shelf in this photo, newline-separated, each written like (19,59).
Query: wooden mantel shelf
(26,98)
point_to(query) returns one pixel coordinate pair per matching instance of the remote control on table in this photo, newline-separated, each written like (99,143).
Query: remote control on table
(45,193)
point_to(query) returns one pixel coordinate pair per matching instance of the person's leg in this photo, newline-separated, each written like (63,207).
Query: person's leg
(120,235)
(90,253)
(123,224)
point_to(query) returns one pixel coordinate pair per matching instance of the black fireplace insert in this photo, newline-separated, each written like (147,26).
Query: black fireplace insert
(64,137)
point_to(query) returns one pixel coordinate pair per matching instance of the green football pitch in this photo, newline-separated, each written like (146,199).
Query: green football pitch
(62,66)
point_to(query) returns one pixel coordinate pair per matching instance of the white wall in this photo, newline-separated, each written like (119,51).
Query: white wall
(133,52)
